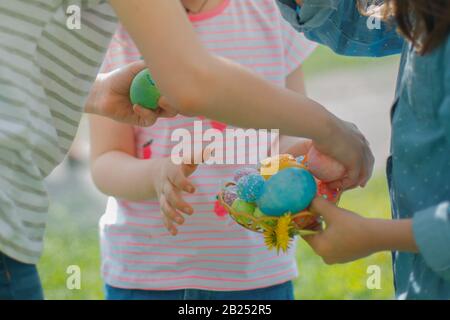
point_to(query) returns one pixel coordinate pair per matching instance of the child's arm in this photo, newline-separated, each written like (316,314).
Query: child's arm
(117,171)
(296,146)
(198,83)
(349,237)
(322,167)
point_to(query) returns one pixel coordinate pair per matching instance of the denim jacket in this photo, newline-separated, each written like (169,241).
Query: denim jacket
(419,166)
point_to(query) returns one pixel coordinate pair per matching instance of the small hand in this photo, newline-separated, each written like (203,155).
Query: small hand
(346,235)
(171,183)
(321,166)
(111,98)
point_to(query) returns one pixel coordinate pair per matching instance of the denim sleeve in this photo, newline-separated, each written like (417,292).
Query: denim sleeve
(444,109)
(339,25)
(431,229)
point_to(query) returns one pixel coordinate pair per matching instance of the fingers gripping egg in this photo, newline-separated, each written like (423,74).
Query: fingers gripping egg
(323,167)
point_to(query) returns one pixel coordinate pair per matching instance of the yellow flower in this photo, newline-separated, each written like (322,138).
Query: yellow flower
(280,236)
(270,238)
(283,232)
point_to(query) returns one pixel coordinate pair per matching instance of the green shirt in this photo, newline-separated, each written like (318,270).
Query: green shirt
(46,70)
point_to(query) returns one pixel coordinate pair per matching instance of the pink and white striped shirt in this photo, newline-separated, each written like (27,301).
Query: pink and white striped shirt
(211,251)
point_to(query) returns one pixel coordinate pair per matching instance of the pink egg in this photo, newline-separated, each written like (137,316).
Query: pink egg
(323,167)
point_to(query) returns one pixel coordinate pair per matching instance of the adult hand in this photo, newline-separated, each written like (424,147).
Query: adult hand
(110,97)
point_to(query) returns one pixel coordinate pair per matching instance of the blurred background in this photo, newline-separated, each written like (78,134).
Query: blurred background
(358,90)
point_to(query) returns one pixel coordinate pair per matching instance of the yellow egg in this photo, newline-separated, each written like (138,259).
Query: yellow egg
(271,166)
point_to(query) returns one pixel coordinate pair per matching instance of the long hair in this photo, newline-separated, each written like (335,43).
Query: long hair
(425,23)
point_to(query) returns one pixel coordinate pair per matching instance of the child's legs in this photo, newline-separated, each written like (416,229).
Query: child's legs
(19,281)
(282,291)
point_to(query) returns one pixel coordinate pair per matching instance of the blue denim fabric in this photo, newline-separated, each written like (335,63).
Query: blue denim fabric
(419,165)
(338,25)
(19,281)
(278,292)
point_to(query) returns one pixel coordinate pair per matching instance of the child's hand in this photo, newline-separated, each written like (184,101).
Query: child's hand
(172,181)
(321,166)
(346,237)
(347,145)
(110,97)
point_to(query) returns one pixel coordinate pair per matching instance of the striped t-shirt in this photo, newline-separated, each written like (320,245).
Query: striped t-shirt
(211,251)
(46,70)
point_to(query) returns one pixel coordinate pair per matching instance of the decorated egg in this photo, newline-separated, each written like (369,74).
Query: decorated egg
(323,167)
(244,172)
(250,187)
(290,190)
(229,194)
(271,166)
(143,91)
(241,206)
(327,193)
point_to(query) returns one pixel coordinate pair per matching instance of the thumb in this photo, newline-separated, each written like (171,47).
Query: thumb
(188,169)
(322,207)
(166,110)
(135,67)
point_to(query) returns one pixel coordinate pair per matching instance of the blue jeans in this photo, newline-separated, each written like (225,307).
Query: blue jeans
(284,291)
(19,281)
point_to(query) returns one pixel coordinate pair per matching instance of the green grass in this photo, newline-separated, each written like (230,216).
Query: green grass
(72,239)
(324,60)
(69,242)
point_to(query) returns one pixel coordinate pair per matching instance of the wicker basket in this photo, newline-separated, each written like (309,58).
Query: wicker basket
(265,223)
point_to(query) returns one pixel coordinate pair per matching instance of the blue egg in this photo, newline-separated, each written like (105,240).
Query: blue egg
(250,187)
(244,172)
(290,190)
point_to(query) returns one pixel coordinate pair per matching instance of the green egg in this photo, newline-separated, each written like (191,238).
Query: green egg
(258,213)
(241,206)
(143,91)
